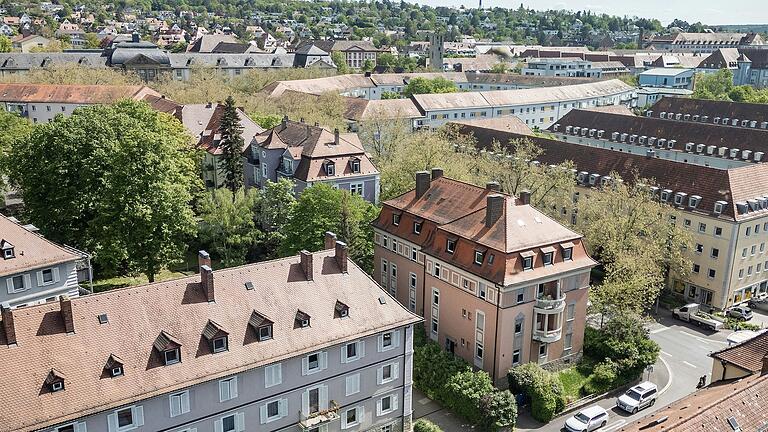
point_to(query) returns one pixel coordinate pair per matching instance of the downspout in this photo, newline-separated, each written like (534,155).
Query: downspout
(496,333)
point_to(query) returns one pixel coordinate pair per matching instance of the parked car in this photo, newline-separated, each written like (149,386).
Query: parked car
(758,303)
(587,420)
(638,397)
(741,313)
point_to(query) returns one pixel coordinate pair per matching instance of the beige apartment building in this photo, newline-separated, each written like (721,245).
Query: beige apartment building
(724,207)
(498,282)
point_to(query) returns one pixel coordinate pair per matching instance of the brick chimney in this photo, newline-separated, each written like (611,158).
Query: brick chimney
(493,209)
(493,186)
(330,240)
(437,173)
(341,256)
(65,307)
(206,282)
(525,197)
(8,327)
(203,259)
(422,183)
(307,264)
(336,136)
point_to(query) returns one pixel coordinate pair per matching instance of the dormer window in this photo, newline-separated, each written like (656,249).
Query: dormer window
(216,337)
(302,319)
(395,219)
(341,310)
(567,251)
(114,366)
(417,227)
(548,256)
(55,381)
(355,165)
(262,325)
(479,257)
(168,347)
(330,168)
(7,249)
(450,246)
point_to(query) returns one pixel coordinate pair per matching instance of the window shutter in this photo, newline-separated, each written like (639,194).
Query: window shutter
(343,354)
(192,429)
(240,422)
(378,407)
(360,414)
(380,343)
(39,278)
(323,398)
(394,402)
(323,360)
(27,281)
(233,388)
(395,369)
(80,427)
(185,402)
(263,413)
(9,284)
(218,426)
(222,387)
(279,373)
(282,407)
(305,402)
(139,414)
(56,274)
(379,375)
(112,422)
(361,349)
(304,365)
(396,338)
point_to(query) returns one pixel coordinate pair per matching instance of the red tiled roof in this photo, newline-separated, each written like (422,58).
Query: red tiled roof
(75,94)
(32,250)
(747,355)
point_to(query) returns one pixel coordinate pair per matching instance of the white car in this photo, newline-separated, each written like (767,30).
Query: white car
(741,313)
(587,420)
(638,397)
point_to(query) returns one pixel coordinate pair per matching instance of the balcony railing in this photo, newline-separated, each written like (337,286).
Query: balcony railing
(548,304)
(319,418)
(547,336)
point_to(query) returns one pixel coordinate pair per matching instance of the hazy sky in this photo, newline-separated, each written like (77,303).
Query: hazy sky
(707,11)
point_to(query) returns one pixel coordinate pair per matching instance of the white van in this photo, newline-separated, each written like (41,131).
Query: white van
(638,397)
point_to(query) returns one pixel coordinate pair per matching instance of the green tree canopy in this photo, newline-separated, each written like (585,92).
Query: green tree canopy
(5,44)
(118,182)
(275,208)
(14,128)
(420,85)
(232,146)
(227,226)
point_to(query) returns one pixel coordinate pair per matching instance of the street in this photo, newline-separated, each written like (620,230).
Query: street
(683,360)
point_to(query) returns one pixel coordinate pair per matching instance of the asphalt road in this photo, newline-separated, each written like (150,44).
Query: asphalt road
(683,360)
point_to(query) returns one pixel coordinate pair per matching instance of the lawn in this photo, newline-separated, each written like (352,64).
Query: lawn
(573,380)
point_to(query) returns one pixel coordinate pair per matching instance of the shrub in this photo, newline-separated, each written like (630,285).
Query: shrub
(626,341)
(498,410)
(736,325)
(464,391)
(422,425)
(602,378)
(541,387)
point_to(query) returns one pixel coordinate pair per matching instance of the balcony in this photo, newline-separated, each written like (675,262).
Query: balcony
(547,336)
(549,304)
(319,418)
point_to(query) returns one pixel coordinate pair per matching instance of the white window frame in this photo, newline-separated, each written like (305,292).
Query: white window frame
(273,375)
(322,363)
(359,417)
(25,280)
(357,188)
(282,410)
(239,422)
(179,400)
(230,384)
(352,384)
(359,351)
(394,373)
(137,419)
(76,426)
(393,405)
(394,340)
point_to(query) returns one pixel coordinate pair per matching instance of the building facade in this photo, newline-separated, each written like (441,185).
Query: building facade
(308,155)
(34,270)
(307,343)
(667,77)
(498,283)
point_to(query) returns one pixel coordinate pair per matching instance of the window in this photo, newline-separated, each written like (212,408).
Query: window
(17,284)
(231,423)
(714,253)
(116,371)
(518,327)
(481,290)
(274,410)
(741,273)
(352,384)
(748,232)
(696,268)
(749,271)
(699,248)
(47,276)
(330,169)
(394,245)
(389,340)
(568,344)
(762,247)
(355,165)
(313,361)
(265,332)
(450,246)
(386,405)
(412,280)
(351,417)
(718,231)
(520,296)
(516,357)
(542,350)
(437,270)
(126,419)
(479,257)
(227,389)
(352,351)
(687,222)
(528,263)
(413,254)
(753,250)
(273,375)
(712,273)
(388,373)
(395,219)
(548,258)
(479,350)
(703,227)
(744,253)
(567,254)
(172,356)
(417,227)
(179,403)
(220,344)
(356,188)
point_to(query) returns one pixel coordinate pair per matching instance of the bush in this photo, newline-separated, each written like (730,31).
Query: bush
(602,378)
(464,391)
(541,387)
(626,341)
(734,324)
(422,425)
(498,410)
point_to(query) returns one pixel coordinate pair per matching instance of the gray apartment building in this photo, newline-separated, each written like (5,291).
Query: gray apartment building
(307,343)
(308,155)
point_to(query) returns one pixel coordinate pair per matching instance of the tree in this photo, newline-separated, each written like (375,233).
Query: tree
(15,128)
(624,340)
(498,411)
(275,206)
(6,45)
(118,182)
(368,65)
(420,85)
(227,226)
(321,208)
(92,41)
(340,61)
(232,146)
(266,121)
(714,85)
(636,239)
(500,68)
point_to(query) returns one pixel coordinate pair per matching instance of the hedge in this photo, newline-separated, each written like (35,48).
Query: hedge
(541,387)
(422,425)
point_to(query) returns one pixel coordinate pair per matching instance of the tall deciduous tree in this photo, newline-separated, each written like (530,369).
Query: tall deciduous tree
(638,242)
(14,128)
(227,224)
(232,146)
(275,207)
(117,182)
(5,44)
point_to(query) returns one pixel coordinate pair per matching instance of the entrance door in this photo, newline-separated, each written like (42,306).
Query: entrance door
(450,345)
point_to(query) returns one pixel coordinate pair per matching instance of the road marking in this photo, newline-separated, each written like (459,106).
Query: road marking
(701,339)
(666,353)
(614,426)
(669,382)
(690,364)
(659,330)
